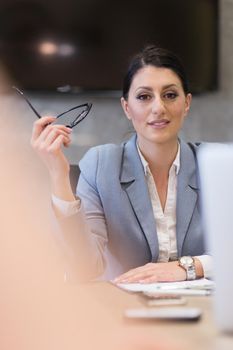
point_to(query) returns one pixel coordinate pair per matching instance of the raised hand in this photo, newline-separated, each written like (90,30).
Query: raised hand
(47,140)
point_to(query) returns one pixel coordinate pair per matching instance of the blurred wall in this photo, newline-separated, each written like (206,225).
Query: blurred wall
(226,48)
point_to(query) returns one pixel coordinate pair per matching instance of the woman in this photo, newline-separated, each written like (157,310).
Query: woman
(136,214)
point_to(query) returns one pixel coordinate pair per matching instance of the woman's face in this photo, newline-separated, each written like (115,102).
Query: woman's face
(156,105)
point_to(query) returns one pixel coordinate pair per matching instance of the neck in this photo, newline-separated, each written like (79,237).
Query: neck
(159,156)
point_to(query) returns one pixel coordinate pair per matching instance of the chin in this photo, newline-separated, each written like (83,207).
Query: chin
(161,139)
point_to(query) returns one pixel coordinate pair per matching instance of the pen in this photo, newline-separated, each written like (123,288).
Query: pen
(189,292)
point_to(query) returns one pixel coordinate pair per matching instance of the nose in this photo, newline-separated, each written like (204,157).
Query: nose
(158,105)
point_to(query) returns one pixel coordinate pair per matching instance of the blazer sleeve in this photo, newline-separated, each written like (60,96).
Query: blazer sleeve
(84,234)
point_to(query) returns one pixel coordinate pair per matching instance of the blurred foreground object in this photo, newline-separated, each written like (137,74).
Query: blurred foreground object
(216,175)
(38,310)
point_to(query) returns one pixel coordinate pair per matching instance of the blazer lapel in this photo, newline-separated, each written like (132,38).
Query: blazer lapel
(187,190)
(134,183)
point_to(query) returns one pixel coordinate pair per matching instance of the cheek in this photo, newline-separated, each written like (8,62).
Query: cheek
(137,114)
(179,111)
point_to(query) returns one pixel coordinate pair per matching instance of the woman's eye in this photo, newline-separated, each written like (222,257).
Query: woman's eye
(143,97)
(170,95)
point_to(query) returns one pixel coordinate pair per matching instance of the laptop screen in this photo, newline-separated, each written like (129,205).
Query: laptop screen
(216,180)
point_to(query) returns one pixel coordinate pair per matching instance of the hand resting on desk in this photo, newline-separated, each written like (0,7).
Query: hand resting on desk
(158,272)
(153,272)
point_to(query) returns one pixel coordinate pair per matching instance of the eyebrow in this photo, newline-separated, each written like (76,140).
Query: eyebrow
(150,89)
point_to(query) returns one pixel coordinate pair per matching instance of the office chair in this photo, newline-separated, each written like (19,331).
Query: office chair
(74,175)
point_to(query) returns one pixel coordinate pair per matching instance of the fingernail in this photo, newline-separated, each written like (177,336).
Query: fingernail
(118,281)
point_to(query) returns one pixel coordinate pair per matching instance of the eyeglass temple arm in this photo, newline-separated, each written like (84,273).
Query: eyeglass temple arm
(28,102)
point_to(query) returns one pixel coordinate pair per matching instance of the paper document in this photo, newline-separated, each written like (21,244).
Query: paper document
(199,284)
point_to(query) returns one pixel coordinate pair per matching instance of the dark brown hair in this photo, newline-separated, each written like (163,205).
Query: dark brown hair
(157,57)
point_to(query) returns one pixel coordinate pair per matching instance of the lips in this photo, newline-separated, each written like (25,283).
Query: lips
(159,124)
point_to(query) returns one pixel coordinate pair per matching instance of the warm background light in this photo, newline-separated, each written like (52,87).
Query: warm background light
(48,48)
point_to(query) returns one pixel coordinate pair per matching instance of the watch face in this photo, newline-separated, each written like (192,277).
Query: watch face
(186,260)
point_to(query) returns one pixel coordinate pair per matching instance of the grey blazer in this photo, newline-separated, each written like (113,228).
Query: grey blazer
(121,231)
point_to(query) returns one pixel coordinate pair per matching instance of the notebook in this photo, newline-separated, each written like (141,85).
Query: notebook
(216,181)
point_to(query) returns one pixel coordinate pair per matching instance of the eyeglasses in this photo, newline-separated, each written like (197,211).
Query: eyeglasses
(70,118)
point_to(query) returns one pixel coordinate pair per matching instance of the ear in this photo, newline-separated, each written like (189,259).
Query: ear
(125,106)
(188,100)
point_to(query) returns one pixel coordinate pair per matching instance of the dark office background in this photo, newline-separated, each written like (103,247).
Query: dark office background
(211,114)
(87,44)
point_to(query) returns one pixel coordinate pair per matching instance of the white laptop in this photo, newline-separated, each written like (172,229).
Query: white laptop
(216,180)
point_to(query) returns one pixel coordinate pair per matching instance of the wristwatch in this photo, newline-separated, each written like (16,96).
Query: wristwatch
(187,263)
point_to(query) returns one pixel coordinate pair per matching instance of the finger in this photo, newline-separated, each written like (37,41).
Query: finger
(59,129)
(126,275)
(151,279)
(43,127)
(39,126)
(139,277)
(131,273)
(51,133)
(67,143)
(135,275)
(56,145)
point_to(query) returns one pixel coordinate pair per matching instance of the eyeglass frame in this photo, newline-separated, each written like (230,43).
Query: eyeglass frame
(76,121)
